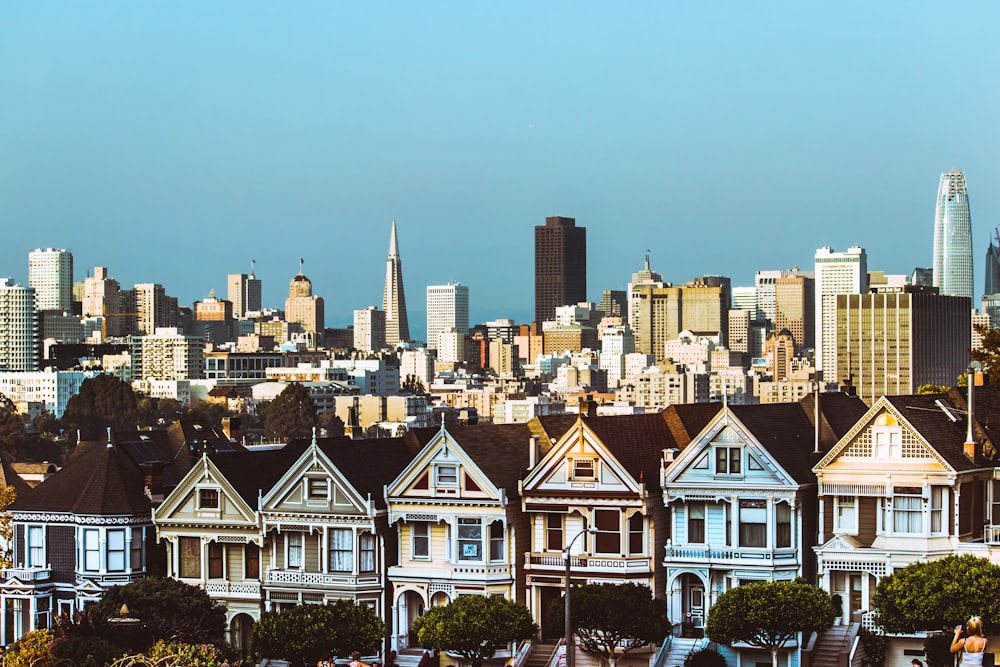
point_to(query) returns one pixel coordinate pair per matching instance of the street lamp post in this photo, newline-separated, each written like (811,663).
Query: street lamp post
(570,659)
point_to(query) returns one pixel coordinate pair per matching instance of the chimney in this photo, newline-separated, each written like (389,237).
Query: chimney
(152,474)
(231,427)
(969,446)
(532,452)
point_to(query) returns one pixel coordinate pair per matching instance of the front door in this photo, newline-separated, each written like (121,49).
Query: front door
(696,605)
(548,596)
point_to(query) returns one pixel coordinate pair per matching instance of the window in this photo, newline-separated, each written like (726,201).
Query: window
(135,557)
(635,534)
(696,523)
(366,544)
(727,460)
(553,532)
(584,468)
(294,542)
(782,525)
(318,488)
(496,541)
(847,513)
(421,539)
(470,539)
(91,550)
(190,557)
(608,539)
(937,509)
(753,523)
(251,556)
(215,554)
(208,499)
(36,546)
(116,551)
(341,550)
(906,509)
(446,476)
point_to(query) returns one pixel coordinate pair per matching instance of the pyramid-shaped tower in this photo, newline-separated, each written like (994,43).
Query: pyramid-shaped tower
(397,328)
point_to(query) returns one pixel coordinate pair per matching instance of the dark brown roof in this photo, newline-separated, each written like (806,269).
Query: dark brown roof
(370,464)
(97,480)
(11,478)
(255,473)
(686,420)
(500,450)
(787,430)
(945,434)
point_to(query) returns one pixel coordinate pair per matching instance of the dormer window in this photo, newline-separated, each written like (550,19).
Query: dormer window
(583,468)
(208,499)
(446,475)
(727,461)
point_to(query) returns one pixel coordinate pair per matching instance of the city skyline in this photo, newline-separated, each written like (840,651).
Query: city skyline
(702,134)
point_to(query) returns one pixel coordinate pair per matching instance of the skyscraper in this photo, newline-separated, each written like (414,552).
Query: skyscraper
(397,327)
(953,237)
(18,327)
(560,266)
(303,306)
(836,273)
(244,293)
(447,308)
(50,274)
(992,282)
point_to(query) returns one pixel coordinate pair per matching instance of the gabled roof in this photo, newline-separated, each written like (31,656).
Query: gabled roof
(97,480)
(255,473)
(10,477)
(500,451)
(686,420)
(940,431)
(784,430)
(370,464)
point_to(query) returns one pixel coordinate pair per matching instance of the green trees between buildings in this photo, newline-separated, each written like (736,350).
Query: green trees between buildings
(474,626)
(306,633)
(290,415)
(11,427)
(611,619)
(102,401)
(769,614)
(940,594)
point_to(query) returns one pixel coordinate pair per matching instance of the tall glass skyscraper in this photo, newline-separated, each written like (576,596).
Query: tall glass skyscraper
(992,282)
(953,237)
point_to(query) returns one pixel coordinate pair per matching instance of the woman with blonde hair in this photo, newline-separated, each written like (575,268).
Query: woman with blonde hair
(972,646)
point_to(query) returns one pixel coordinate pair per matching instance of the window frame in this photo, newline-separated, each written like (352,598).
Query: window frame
(366,552)
(209,499)
(554,533)
(728,461)
(579,467)
(607,524)
(446,475)
(842,503)
(35,548)
(636,541)
(119,551)
(782,526)
(341,556)
(696,524)
(753,534)
(294,545)
(420,540)
(251,561)
(908,496)
(189,557)
(216,560)
(91,550)
(469,539)
(317,488)
(498,541)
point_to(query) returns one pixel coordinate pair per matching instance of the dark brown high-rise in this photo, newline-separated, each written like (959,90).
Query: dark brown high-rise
(560,266)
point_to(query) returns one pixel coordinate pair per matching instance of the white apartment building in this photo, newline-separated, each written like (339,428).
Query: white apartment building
(18,327)
(102,300)
(656,388)
(615,344)
(372,376)
(418,363)
(451,346)
(836,273)
(50,274)
(244,293)
(34,392)
(167,355)
(447,308)
(519,411)
(369,329)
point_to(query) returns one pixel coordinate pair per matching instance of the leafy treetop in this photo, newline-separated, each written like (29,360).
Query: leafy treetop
(291,414)
(306,633)
(474,626)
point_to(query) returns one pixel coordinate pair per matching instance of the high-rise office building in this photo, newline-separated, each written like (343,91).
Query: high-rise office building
(369,329)
(660,313)
(244,293)
(560,266)
(152,307)
(645,276)
(397,326)
(18,327)
(992,282)
(614,303)
(836,273)
(953,237)
(892,340)
(167,354)
(447,308)
(794,308)
(302,306)
(102,299)
(50,274)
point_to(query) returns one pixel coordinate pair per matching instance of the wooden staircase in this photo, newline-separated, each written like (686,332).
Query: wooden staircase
(540,653)
(679,650)
(833,648)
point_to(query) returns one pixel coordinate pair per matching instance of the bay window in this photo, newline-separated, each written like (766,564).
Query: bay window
(470,539)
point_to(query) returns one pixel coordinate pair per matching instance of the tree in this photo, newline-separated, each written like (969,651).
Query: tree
(11,427)
(769,614)
(939,594)
(333,424)
(7,496)
(926,389)
(413,385)
(291,414)
(599,618)
(989,353)
(47,424)
(305,633)
(169,609)
(103,401)
(475,626)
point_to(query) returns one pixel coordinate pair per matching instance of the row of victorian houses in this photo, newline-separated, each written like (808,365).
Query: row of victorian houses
(691,502)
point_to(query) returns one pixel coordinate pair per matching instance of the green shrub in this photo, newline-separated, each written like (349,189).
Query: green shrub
(84,651)
(706,657)
(34,649)
(189,655)
(937,648)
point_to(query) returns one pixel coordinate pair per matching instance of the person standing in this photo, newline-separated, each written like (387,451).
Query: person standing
(973,646)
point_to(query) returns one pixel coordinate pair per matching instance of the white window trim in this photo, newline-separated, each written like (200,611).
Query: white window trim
(413,541)
(28,545)
(288,550)
(437,476)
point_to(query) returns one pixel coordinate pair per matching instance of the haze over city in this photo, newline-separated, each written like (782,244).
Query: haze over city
(174,143)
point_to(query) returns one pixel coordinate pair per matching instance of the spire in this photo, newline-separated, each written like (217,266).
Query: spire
(393,246)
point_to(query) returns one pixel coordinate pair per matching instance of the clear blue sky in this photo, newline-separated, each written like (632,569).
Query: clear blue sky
(174,141)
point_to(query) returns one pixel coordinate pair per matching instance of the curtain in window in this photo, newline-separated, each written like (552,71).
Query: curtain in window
(367,545)
(753,526)
(190,556)
(341,550)
(116,551)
